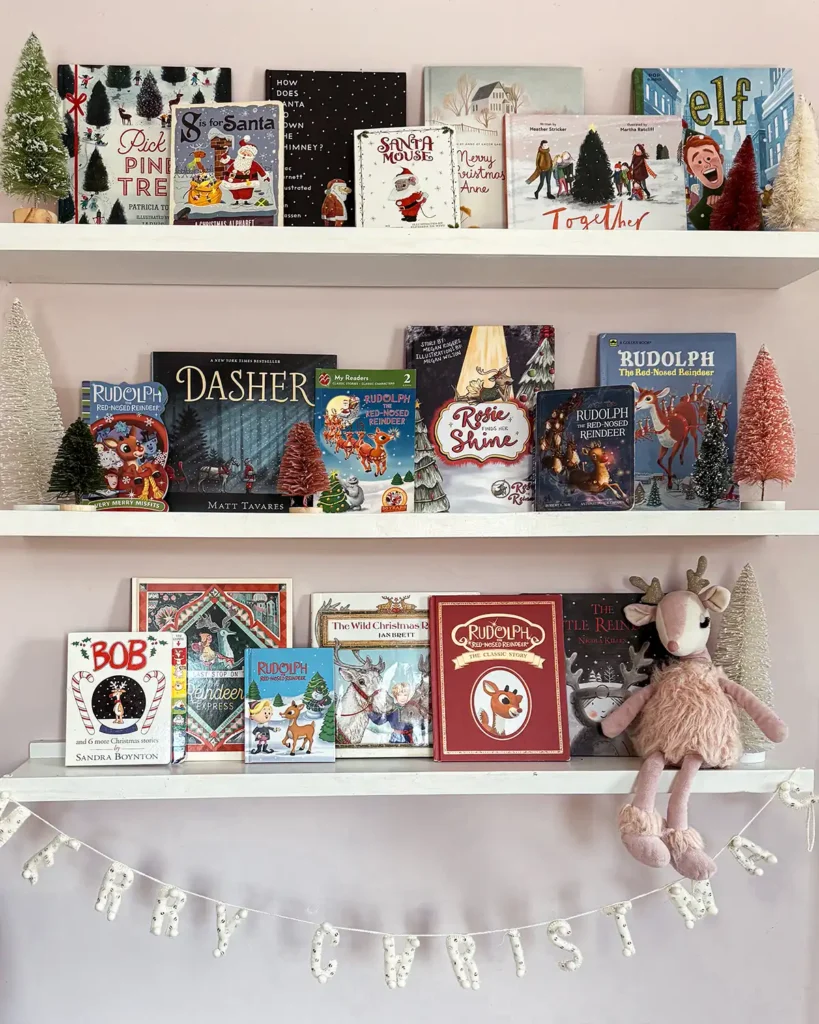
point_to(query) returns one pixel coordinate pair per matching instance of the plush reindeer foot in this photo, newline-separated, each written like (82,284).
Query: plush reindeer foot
(688,854)
(641,833)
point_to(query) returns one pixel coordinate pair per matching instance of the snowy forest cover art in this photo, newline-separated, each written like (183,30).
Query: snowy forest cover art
(117,136)
(585,449)
(607,659)
(227,164)
(474,101)
(322,110)
(606,173)
(221,620)
(381,668)
(364,421)
(674,377)
(228,416)
(290,707)
(476,398)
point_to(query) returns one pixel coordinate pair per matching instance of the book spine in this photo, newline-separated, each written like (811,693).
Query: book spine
(427,94)
(268,84)
(72,106)
(435,681)
(637,104)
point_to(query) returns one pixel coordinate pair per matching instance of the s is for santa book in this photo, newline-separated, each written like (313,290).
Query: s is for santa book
(221,621)
(474,101)
(117,136)
(322,110)
(610,172)
(498,678)
(585,449)
(122,691)
(476,388)
(227,164)
(406,178)
(674,377)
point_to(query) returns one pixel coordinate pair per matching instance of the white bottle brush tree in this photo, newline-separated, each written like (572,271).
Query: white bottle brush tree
(795,202)
(33,161)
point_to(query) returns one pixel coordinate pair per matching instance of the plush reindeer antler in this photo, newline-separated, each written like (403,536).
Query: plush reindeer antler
(652,592)
(634,673)
(696,578)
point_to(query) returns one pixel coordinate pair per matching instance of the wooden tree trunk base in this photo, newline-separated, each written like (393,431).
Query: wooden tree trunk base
(33,215)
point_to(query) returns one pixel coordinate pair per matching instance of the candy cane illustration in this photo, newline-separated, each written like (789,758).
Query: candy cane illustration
(76,688)
(160,689)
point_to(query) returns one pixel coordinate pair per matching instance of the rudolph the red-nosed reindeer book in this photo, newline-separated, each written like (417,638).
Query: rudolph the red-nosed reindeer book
(498,678)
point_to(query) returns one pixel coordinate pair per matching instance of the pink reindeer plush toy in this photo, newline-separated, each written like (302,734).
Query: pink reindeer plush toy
(685,717)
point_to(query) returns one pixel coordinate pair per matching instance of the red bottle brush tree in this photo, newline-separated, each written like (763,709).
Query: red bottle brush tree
(765,444)
(739,207)
(302,472)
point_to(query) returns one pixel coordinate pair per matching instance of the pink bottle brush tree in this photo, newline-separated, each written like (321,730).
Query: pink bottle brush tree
(765,443)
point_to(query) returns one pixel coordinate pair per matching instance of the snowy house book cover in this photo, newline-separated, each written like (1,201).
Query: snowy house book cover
(498,678)
(474,101)
(120,689)
(476,391)
(674,377)
(721,107)
(380,648)
(606,173)
(221,620)
(228,416)
(585,449)
(406,178)
(322,110)
(290,706)
(607,659)
(117,136)
(227,164)
(365,425)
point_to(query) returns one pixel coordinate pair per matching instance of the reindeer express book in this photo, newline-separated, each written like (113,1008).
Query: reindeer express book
(290,709)
(121,691)
(474,101)
(674,377)
(498,678)
(117,136)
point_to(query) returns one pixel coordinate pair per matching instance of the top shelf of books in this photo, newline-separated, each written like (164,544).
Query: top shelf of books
(396,258)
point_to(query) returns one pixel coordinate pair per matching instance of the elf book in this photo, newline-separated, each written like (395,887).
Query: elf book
(221,620)
(121,688)
(604,173)
(290,708)
(474,101)
(476,391)
(674,378)
(228,416)
(585,449)
(607,659)
(720,107)
(117,136)
(227,164)
(406,178)
(365,425)
(322,110)
(498,678)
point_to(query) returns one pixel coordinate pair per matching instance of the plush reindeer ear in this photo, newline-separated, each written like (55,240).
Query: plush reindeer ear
(640,614)
(489,687)
(716,598)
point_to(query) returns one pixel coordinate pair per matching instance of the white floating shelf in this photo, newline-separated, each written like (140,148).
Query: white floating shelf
(400,258)
(228,525)
(44,778)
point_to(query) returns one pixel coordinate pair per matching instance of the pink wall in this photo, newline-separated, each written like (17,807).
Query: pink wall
(423,864)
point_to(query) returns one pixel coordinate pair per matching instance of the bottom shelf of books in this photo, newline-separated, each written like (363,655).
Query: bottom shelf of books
(44,777)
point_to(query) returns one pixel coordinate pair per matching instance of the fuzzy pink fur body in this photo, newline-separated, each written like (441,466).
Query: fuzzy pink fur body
(689,713)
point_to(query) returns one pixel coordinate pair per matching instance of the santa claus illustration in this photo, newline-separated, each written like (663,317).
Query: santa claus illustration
(334,207)
(406,195)
(243,172)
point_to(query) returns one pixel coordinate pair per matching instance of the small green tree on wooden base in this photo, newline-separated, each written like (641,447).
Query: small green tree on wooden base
(327,733)
(712,472)
(77,469)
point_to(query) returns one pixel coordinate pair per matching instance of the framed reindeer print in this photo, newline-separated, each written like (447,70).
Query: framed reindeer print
(222,620)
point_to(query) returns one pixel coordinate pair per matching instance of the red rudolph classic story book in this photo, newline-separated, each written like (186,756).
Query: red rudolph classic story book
(498,678)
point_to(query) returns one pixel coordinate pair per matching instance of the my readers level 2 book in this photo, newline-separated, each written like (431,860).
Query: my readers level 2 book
(674,377)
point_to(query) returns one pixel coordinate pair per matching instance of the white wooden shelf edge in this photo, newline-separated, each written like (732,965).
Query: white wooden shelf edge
(45,778)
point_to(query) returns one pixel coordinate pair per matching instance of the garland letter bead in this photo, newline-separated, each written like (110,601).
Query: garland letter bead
(703,893)
(45,857)
(559,932)
(397,969)
(10,823)
(618,911)
(463,962)
(169,904)
(323,974)
(688,906)
(517,951)
(115,881)
(748,853)
(225,928)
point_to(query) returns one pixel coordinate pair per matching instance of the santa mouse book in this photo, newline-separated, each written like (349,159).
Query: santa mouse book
(406,178)
(498,678)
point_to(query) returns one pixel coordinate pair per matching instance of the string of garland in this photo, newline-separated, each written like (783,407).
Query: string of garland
(691,904)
